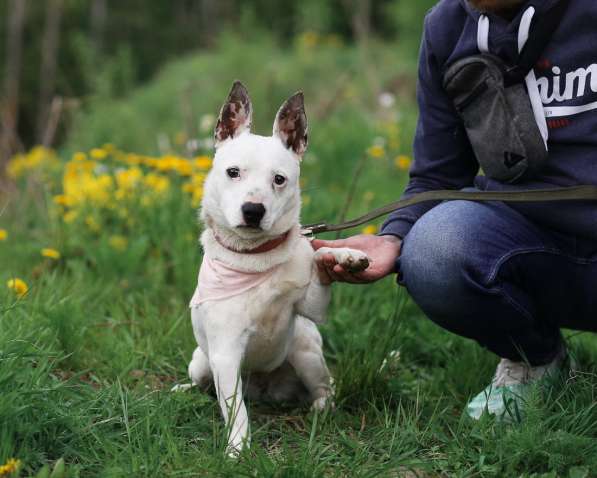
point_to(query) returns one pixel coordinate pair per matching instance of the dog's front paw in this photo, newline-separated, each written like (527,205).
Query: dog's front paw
(350,259)
(235,447)
(182,387)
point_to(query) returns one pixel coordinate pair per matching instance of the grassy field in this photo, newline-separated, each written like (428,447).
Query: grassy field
(96,330)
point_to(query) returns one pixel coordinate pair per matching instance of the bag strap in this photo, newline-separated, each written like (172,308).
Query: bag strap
(574,193)
(541,33)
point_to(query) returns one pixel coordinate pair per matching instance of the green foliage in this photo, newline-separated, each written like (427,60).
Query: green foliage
(138,37)
(407,19)
(88,356)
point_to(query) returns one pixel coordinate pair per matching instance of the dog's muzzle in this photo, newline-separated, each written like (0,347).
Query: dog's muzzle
(253,213)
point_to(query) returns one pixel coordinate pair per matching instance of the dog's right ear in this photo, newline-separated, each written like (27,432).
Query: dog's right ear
(235,115)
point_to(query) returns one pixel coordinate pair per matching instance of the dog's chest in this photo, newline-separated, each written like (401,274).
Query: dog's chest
(273,300)
(272,314)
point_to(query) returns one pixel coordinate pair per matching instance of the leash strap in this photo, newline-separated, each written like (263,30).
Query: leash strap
(574,193)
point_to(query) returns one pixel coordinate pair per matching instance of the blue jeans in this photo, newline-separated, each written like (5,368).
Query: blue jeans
(483,271)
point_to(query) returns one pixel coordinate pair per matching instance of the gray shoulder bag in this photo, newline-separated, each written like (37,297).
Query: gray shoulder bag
(494,105)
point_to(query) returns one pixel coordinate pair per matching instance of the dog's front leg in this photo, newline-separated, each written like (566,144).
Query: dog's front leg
(317,298)
(225,365)
(314,304)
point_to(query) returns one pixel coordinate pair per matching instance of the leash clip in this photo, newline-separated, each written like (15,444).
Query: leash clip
(312,229)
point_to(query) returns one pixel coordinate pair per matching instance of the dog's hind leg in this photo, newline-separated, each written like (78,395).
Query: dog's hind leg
(306,357)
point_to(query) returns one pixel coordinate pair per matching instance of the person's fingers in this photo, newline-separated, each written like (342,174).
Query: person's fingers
(345,276)
(319,243)
(335,277)
(331,271)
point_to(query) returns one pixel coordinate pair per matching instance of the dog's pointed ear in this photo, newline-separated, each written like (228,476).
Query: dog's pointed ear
(236,114)
(291,124)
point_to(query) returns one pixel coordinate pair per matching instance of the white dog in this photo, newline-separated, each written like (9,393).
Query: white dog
(259,297)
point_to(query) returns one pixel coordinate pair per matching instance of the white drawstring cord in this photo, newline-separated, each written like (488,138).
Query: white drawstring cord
(531,79)
(483,34)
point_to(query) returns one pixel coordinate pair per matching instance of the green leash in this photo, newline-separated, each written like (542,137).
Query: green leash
(575,193)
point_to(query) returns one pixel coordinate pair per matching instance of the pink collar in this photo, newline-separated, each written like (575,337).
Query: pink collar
(265,247)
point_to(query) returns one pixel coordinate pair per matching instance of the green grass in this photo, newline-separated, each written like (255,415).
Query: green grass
(88,356)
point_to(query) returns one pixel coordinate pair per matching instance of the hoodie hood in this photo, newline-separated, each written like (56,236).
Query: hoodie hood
(540,6)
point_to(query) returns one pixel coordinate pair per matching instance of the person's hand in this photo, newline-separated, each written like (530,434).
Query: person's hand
(381,250)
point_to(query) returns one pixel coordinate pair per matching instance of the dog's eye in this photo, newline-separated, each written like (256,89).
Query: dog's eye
(279,179)
(233,173)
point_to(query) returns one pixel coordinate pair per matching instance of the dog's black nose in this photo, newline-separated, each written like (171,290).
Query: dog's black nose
(253,213)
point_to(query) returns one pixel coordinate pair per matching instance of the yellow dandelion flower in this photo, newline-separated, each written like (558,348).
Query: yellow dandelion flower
(128,178)
(202,162)
(118,243)
(197,196)
(308,39)
(376,151)
(63,200)
(37,158)
(157,182)
(306,200)
(79,157)
(370,229)
(18,286)
(184,167)
(70,216)
(368,196)
(50,253)
(98,153)
(132,159)
(402,162)
(10,467)
(3,234)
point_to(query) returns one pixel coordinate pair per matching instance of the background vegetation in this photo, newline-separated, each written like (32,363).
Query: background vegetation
(99,253)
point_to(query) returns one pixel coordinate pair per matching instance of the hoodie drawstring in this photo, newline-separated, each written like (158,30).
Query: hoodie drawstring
(530,79)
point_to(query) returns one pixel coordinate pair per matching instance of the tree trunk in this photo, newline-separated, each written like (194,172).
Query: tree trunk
(99,14)
(360,16)
(49,60)
(10,105)
(209,21)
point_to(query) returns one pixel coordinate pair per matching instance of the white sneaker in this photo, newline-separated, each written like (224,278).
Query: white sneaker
(512,382)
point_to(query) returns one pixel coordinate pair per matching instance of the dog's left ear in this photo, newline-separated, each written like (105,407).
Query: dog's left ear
(291,124)
(236,114)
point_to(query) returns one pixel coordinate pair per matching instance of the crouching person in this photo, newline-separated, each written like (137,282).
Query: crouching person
(509,276)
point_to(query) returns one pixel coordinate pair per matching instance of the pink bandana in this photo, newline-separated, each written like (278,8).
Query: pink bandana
(218,281)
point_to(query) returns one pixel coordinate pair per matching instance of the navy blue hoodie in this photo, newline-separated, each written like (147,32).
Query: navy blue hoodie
(567,78)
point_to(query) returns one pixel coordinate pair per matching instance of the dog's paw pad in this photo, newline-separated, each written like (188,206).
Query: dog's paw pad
(353,261)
